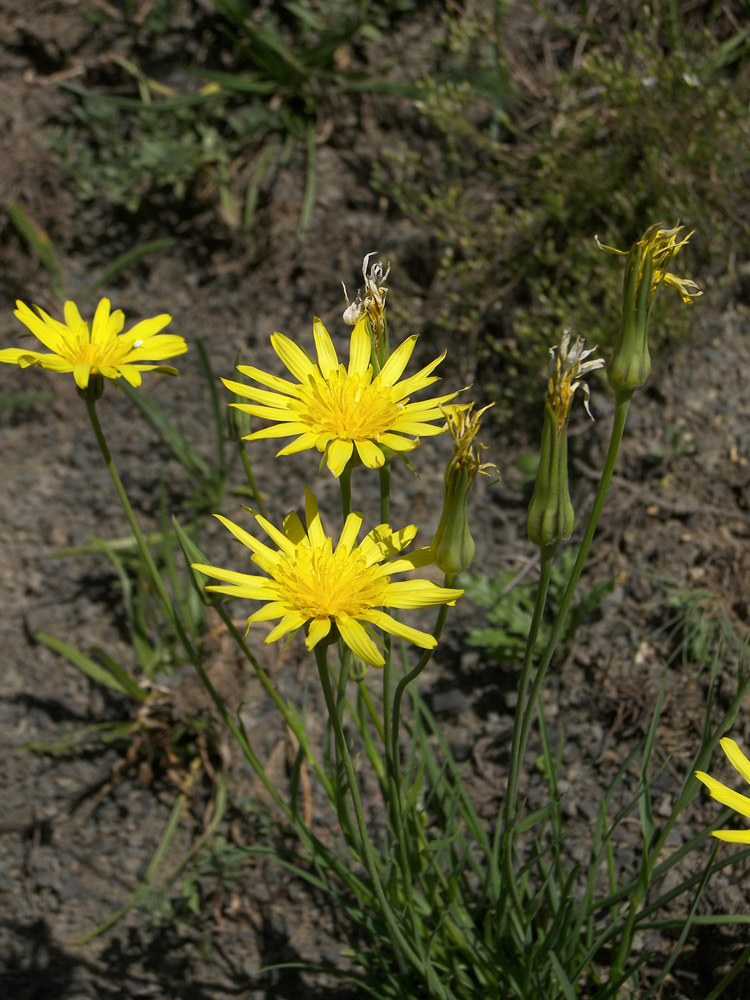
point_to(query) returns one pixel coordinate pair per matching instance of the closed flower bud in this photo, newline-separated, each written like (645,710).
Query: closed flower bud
(551,517)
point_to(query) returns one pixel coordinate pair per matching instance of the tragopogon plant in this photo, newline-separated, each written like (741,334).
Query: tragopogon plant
(434,901)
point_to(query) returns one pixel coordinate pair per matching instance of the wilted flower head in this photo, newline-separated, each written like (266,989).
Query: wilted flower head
(342,410)
(100,351)
(728,797)
(464,424)
(645,272)
(332,588)
(660,245)
(453,547)
(551,517)
(567,368)
(369,300)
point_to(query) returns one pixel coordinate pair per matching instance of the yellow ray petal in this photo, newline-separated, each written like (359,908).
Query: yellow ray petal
(422,639)
(327,359)
(360,348)
(50,334)
(371,455)
(733,836)
(339,453)
(315,531)
(74,320)
(351,529)
(394,367)
(420,594)
(293,357)
(288,624)
(319,629)
(357,639)
(725,795)
(270,381)
(736,758)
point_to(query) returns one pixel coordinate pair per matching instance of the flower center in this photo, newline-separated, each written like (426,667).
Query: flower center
(83,352)
(320,583)
(350,406)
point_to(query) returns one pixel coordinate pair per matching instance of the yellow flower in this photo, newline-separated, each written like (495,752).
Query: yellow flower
(100,351)
(339,410)
(341,588)
(728,797)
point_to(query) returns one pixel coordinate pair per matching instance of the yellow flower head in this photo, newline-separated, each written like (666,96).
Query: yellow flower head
(660,245)
(102,350)
(728,797)
(312,582)
(567,369)
(339,409)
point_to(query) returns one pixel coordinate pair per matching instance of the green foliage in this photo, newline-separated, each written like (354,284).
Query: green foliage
(516,180)
(283,67)
(127,154)
(698,626)
(509,603)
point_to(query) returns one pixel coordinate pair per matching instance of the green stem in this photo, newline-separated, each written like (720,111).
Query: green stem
(403,950)
(345,483)
(618,426)
(174,619)
(251,480)
(385,492)
(413,674)
(522,710)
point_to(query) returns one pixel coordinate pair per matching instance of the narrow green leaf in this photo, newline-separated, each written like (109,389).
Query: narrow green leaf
(92,670)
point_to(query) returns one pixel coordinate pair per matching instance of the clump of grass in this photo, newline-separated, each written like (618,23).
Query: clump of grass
(251,107)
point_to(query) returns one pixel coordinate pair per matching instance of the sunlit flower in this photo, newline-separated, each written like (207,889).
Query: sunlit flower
(453,546)
(332,590)
(341,410)
(728,797)
(102,350)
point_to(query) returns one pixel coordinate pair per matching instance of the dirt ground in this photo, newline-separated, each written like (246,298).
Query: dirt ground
(79,829)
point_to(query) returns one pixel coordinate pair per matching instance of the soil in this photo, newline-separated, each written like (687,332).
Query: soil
(80,826)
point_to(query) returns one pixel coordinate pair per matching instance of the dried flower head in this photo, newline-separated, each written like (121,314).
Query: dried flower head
(660,245)
(453,545)
(567,368)
(645,272)
(369,300)
(464,425)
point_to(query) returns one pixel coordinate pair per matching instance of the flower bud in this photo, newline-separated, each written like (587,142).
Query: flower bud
(551,517)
